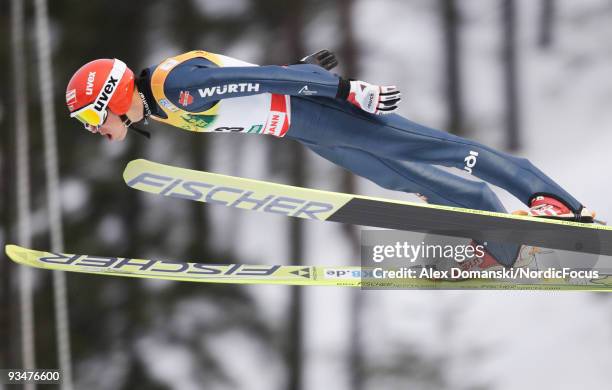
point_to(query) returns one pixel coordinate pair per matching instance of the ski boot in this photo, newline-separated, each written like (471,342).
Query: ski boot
(548,207)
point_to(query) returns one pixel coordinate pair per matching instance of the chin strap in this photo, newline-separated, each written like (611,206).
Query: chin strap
(128,123)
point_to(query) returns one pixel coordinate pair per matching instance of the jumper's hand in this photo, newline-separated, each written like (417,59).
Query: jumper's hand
(324,58)
(374,99)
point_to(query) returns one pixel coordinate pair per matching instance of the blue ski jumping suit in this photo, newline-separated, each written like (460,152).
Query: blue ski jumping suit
(202,91)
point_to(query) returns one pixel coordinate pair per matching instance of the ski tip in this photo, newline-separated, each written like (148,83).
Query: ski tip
(131,166)
(137,161)
(12,251)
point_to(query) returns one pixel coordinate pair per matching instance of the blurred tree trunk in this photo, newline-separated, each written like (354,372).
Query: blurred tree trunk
(294,28)
(6,205)
(132,308)
(548,13)
(509,61)
(5,201)
(452,50)
(348,58)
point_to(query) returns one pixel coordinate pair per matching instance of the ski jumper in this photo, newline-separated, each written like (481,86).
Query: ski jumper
(205,92)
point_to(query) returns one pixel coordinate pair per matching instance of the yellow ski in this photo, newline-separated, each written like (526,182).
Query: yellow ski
(340,276)
(307,203)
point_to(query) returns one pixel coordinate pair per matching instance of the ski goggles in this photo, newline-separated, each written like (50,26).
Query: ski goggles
(93,115)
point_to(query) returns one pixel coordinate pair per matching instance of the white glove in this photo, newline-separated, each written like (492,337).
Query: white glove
(374,99)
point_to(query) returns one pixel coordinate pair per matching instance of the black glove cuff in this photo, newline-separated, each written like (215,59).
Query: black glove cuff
(344,88)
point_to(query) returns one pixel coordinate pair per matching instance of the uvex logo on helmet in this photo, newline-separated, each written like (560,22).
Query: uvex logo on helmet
(106,93)
(90,82)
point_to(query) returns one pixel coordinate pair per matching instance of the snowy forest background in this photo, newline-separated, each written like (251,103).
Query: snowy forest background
(530,77)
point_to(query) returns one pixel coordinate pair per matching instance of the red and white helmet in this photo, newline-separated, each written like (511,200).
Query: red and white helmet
(99,86)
